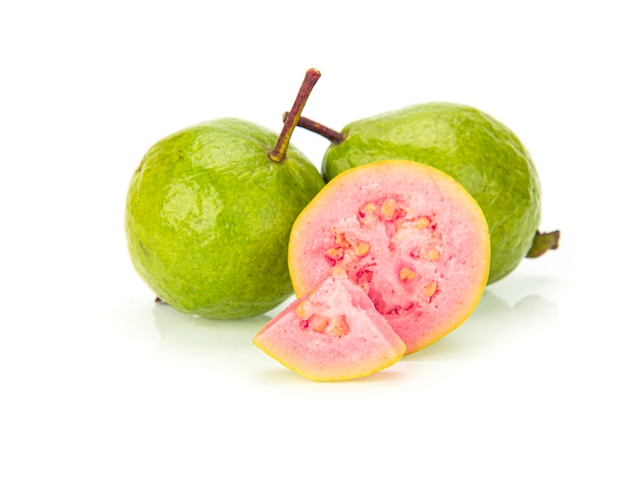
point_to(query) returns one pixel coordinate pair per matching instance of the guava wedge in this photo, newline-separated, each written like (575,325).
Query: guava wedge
(331,333)
(410,235)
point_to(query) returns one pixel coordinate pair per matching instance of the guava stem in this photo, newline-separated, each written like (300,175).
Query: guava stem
(280,150)
(543,242)
(335,137)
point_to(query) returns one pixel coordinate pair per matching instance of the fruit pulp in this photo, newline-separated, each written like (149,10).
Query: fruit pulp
(409,235)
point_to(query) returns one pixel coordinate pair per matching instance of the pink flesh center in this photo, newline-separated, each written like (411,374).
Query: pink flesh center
(389,250)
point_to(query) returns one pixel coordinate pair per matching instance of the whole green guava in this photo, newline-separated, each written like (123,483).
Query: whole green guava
(471,146)
(208,218)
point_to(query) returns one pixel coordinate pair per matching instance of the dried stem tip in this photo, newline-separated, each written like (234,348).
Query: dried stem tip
(544,242)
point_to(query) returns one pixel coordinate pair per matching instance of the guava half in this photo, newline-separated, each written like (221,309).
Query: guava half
(410,235)
(331,333)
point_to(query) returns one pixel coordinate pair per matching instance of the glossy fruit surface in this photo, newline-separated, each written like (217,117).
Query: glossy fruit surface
(331,333)
(208,217)
(410,235)
(469,145)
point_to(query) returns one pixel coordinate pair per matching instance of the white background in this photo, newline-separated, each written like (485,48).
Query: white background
(102,392)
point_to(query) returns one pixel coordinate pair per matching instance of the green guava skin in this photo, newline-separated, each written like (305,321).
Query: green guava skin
(469,145)
(208,218)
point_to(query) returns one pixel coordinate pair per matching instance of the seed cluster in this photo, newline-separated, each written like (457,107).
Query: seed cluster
(315,320)
(410,242)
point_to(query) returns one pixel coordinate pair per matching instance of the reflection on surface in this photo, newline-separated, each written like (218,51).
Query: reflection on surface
(496,323)
(184,331)
(509,317)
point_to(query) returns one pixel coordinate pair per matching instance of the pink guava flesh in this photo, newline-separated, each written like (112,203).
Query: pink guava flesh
(332,333)
(409,235)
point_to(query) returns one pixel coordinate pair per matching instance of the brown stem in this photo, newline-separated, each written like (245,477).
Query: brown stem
(331,135)
(280,150)
(544,242)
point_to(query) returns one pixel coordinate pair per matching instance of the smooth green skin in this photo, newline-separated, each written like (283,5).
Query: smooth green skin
(208,218)
(471,146)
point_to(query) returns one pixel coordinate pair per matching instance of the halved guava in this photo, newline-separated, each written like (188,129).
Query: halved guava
(331,333)
(408,234)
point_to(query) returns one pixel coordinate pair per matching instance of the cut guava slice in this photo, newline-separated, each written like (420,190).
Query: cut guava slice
(332,333)
(408,234)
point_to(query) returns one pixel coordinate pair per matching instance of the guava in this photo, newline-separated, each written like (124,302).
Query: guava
(331,333)
(484,155)
(209,211)
(408,234)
